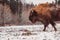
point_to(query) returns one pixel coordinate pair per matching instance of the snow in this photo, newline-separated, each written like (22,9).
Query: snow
(15,33)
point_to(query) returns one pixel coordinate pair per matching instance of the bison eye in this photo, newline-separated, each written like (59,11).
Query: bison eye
(35,13)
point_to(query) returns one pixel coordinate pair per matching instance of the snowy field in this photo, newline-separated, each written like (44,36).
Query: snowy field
(31,32)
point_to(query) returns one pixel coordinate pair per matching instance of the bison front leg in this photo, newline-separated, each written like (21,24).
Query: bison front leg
(45,25)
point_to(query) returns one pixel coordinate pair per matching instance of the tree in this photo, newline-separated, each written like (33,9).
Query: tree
(20,8)
(13,6)
(4,1)
(58,1)
(32,5)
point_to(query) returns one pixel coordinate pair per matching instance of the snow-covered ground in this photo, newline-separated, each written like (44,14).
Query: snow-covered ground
(30,32)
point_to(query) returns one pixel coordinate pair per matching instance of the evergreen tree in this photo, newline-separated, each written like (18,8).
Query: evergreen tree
(58,1)
(13,6)
(20,8)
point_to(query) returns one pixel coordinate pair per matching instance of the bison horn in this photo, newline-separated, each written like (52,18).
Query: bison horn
(34,13)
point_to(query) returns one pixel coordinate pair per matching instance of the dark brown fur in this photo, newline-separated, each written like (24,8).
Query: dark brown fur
(53,15)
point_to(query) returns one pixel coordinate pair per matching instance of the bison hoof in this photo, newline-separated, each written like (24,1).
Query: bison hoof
(43,30)
(55,29)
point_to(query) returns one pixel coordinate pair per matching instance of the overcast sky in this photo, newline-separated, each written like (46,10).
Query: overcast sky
(39,1)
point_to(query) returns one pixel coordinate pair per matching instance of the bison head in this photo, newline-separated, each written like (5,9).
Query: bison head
(33,16)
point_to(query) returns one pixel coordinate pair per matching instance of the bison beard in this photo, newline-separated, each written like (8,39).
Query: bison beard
(33,17)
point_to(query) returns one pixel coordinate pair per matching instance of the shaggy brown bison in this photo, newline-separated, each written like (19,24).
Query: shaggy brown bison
(46,16)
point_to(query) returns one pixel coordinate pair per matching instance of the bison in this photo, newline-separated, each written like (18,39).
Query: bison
(43,14)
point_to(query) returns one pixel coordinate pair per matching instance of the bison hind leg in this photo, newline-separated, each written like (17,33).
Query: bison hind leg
(53,25)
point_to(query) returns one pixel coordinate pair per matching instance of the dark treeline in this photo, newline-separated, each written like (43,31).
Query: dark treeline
(15,7)
(13,4)
(57,1)
(4,1)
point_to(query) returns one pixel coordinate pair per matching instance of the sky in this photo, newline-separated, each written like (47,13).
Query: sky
(39,1)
